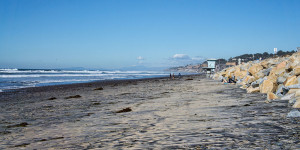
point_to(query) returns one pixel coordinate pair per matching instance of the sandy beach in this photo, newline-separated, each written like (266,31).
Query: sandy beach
(193,112)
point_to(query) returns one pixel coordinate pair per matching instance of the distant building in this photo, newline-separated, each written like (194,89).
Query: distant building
(231,64)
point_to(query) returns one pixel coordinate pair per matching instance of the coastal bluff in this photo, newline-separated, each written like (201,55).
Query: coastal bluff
(278,77)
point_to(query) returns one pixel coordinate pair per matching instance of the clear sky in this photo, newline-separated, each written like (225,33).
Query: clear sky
(154,33)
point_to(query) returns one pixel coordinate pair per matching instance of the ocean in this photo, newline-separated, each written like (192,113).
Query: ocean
(22,78)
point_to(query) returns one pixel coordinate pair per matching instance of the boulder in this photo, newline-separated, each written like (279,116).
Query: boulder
(292,101)
(271,96)
(297,104)
(279,90)
(288,97)
(296,70)
(277,71)
(265,64)
(255,68)
(267,86)
(280,80)
(243,74)
(255,83)
(295,64)
(272,78)
(293,91)
(259,74)
(282,65)
(294,86)
(253,90)
(250,80)
(297,94)
(290,81)
(266,72)
(244,87)
(293,113)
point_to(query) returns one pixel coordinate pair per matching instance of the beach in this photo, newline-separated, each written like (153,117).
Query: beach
(193,112)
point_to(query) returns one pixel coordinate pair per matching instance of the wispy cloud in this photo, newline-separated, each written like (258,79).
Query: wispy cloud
(181,56)
(184,59)
(140,58)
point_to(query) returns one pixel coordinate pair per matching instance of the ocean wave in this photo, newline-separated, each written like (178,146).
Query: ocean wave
(22,71)
(23,78)
(72,75)
(15,69)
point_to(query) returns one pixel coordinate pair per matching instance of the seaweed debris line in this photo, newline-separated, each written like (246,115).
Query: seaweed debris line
(279,78)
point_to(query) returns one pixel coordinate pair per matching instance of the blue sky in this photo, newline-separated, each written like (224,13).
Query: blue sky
(153,33)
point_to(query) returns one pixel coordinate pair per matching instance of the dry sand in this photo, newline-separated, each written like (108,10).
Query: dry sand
(189,113)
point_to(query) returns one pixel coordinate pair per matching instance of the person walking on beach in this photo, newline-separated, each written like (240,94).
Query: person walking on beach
(170,76)
(179,75)
(173,76)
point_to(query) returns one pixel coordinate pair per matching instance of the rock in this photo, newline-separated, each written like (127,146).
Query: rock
(282,65)
(285,90)
(295,64)
(279,89)
(280,80)
(23,124)
(52,98)
(246,78)
(243,74)
(272,78)
(290,81)
(292,101)
(297,104)
(265,64)
(244,87)
(297,94)
(293,113)
(250,80)
(252,90)
(293,91)
(288,97)
(255,84)
(286,75)
(267,86)
(296,70)
(259,74)
(75,96)
(295,86)
(100,88)
(266,72)
(255,68)
(277,71)
(128,109)
(271,96)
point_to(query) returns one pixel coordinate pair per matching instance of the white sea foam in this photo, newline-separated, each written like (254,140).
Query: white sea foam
(8,69)
(71,80)
(22,78)
(76,71)
(72,75)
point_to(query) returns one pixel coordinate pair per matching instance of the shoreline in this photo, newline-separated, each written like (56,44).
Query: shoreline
(8,94)
(193,112)
(96,82)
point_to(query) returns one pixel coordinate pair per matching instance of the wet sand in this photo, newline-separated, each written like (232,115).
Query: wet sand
(189,113)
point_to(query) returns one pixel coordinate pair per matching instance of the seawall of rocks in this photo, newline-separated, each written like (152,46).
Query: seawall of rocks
(279,77)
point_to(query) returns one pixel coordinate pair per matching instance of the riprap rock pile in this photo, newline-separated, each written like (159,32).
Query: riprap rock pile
(278,77)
